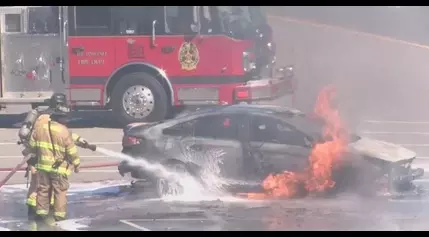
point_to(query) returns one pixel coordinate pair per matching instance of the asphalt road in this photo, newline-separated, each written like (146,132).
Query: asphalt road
(375,57)
(111,206)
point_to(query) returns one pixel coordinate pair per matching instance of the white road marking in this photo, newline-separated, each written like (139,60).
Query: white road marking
(415,145)
(394,133)
(409,201)
(422,158)
(6,157)
(172,219)
(90,170)
(95,143)
(98,171)
(127,222)
(396,122)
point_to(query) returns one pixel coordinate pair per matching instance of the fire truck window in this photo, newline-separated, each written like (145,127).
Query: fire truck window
(43,20)
(92,20)
(208,25)
(179,19)
(216,22)
(13,22)
(133,20)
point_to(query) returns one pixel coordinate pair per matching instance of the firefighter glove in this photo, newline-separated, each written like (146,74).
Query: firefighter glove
(32,161)
(82,141)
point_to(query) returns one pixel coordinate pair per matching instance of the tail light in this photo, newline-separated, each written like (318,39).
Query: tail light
(248,61)
(130,141)
(242,93)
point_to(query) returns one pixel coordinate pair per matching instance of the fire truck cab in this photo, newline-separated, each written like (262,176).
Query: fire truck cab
(139,61)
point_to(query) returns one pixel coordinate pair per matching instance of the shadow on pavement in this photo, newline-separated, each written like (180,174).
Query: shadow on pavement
(80,119)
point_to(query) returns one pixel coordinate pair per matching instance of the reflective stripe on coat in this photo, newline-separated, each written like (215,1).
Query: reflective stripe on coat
(60,149)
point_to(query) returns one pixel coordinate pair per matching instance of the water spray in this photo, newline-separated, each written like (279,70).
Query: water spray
(192,189)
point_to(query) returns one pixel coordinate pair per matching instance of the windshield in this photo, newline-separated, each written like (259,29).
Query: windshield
(238,20)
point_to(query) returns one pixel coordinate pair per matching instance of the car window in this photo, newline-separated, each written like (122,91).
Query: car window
(213,126)
(218,127)
(271,130)
(181,129)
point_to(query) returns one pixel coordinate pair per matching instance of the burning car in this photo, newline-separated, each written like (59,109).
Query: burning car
(286,151)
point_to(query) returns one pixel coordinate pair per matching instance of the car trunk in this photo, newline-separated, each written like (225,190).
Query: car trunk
(137,129)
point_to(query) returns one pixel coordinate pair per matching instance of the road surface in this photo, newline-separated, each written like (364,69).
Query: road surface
(376,58)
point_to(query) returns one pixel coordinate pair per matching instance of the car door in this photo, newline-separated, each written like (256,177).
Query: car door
(277,145)
(211,141)
(218,138)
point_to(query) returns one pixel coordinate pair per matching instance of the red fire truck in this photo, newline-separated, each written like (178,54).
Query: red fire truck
(139,61)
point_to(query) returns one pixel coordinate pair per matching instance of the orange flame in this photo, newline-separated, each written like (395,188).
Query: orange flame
(323,158)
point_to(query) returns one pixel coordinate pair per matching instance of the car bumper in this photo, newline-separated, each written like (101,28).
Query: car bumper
(269,86)
(125,167)
(283,82)
(412,175)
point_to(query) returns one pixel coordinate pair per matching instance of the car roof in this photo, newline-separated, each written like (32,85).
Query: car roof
(249,108)
(290,115)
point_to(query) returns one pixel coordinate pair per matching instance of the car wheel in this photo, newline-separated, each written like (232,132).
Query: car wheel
(167,187)
(400,179)
(139,97)
(123,169)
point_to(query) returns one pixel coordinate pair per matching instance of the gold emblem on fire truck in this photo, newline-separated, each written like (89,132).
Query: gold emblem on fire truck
(189,56)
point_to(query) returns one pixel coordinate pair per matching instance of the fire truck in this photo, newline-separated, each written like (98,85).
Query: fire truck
(141,62)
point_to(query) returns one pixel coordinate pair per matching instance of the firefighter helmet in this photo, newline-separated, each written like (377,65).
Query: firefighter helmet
(58,103)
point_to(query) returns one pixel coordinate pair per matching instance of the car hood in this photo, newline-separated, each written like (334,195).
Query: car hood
(381,150)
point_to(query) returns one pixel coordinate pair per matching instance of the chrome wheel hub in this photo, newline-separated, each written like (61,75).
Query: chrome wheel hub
(138,101)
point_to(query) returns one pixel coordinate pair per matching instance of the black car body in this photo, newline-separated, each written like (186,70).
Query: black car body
(255,140)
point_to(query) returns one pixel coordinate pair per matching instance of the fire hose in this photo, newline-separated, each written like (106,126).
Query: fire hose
(20,167)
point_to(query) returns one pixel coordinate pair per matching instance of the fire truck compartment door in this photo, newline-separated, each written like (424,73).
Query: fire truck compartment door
(91,62)
(30,67)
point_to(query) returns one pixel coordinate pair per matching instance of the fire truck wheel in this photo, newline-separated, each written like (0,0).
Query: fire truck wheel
(139,97)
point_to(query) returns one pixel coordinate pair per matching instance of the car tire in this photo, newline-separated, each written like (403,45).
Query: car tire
(164,187)
(156,98)
(123,168)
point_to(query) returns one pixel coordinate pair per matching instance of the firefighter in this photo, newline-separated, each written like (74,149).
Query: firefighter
(56,155)
(57,103)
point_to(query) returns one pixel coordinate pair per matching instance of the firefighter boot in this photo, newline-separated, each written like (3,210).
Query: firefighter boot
(47,223)
(33,226)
